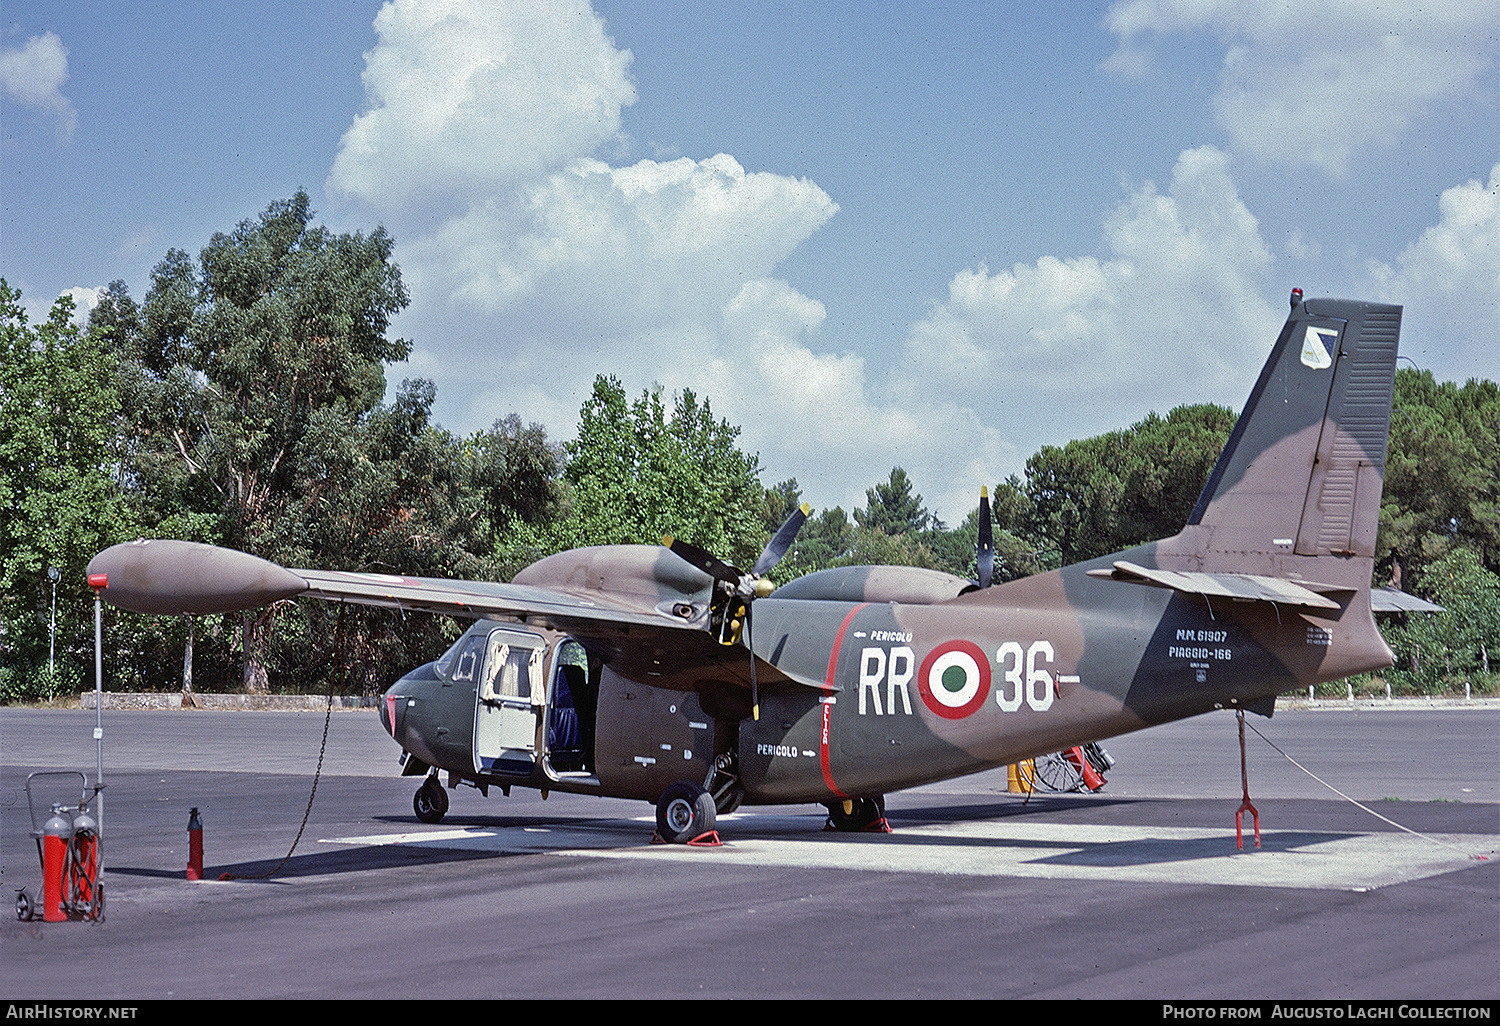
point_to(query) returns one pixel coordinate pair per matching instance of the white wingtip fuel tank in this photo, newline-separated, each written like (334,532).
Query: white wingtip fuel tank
(188,578)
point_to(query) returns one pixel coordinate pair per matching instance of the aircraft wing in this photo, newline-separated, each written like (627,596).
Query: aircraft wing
(642,610)
(629,632)
(188,578)
(476,599)
(1256,588)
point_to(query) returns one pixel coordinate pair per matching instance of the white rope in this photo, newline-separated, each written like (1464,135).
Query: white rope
(1392,822)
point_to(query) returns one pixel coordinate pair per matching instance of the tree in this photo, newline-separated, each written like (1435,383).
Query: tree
(635,474)
(283,322)
(1437,650)
(891,508)
(1442,482)
(255,366)
(825,539)
(515,472)
(1019,551)
(781,499)
(58,428)
(1110,492)
(399,495)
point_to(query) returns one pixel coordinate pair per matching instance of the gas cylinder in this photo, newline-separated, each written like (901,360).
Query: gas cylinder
(56,833)
(82,886)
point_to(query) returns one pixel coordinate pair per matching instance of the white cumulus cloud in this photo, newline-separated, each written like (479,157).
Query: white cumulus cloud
(1067,347)
(1310,84)
(84,301)
(638,245)
(535,266)
(477,96)
(1449,282)
(33,76)
(825,418)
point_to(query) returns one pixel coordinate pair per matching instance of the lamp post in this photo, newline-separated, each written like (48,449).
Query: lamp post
(54,575)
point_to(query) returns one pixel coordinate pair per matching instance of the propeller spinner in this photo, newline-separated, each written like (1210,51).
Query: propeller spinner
(736,591)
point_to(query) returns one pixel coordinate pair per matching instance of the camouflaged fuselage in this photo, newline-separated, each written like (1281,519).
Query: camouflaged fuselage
(601,670)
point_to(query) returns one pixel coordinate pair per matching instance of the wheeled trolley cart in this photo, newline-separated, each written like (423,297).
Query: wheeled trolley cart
(68,844)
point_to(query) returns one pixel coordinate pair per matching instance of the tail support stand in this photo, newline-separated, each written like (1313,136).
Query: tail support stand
(1239,839)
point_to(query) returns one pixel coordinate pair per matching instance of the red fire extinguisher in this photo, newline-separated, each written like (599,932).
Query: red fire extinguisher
(195,846)
(56,833)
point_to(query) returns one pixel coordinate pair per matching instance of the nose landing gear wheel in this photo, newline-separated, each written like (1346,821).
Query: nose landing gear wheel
(430,803)
(684,813)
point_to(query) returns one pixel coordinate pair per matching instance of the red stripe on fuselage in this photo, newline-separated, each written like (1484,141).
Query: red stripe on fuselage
(833,665)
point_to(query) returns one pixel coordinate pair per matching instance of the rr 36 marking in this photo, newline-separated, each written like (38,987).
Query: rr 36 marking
(954,680)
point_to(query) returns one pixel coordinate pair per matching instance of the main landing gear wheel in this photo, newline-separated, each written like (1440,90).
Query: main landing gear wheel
(684,812)
(859,815)
(430,803)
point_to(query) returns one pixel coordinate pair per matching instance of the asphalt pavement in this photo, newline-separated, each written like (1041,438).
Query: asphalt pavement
(1384,889)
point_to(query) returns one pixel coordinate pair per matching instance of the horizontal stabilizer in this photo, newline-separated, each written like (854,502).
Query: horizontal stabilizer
(1389,600)
(1238,587)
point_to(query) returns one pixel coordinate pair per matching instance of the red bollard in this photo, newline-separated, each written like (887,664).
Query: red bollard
(55,834)
(195,846)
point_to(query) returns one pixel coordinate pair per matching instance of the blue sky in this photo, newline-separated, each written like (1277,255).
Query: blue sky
(932,235)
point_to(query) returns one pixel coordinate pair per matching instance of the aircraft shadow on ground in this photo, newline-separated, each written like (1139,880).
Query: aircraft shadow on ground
(1154,850)
(1037,806)
(364,858)
(616,832)
(325,863)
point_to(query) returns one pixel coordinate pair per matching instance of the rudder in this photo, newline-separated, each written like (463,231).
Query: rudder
(1302,472)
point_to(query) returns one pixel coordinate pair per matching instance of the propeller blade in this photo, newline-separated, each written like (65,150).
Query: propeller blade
(703,560)
(986,560)
(754,685)
(782,541)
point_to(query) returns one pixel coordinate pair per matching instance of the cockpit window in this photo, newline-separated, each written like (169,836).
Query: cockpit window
(461,661)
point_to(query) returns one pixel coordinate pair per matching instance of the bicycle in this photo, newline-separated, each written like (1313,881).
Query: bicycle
(1080,768)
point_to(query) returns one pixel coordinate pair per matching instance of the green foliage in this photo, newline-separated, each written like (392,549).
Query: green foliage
(258,378)
(1104,494)
(1442,484)
(1436,651)
(636,473)
(826,539)
(892,508)
(58,424)
(278,332)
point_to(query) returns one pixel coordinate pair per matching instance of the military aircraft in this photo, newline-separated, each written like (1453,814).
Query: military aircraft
(663,674)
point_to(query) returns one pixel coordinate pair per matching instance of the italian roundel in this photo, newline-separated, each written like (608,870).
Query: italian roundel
(955,679)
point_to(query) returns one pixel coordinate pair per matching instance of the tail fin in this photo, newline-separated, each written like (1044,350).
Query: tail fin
(1302,472)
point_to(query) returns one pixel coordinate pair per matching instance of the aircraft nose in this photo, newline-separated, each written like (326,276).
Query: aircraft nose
(392,705)
(397,697)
